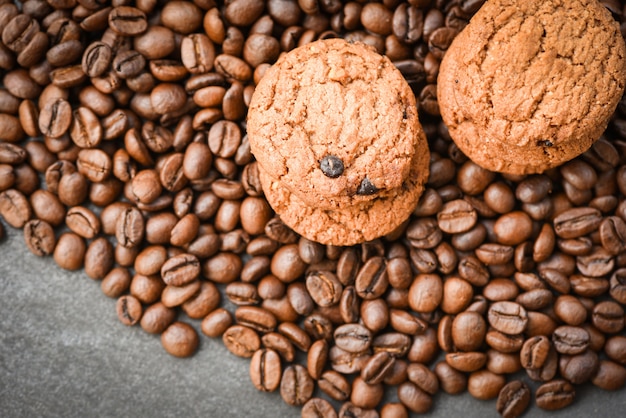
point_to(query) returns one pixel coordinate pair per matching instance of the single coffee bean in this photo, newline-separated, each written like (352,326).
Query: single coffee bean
(610,375)
(180,270)
(318,408)
(484,384)
(570,340)
(241,340)
(414,398)
(577,222)
(508,317)
(14,208)
(513,399)
(216,323)
(296,386)
(608,317)
(265,370)
(180,339)
(39,237)
(83,222)
(156,318)
(335,385)
(554,395)
(578,368)
(468,331)
(130,228)
(129,310)
(353,338)
(127,21)
(365,395)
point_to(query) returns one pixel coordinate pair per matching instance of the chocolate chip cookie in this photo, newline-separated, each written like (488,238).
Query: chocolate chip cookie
(528,85)
(335,123)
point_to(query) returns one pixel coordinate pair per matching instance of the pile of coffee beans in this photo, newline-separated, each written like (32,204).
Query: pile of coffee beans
(123,152)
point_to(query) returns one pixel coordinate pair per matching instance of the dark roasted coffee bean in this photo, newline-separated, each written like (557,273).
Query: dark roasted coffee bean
(610,375)
(513,399)
(579,368)
(608,317)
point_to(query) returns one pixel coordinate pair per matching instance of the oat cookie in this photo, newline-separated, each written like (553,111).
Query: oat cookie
(362,222)
(530,84)
(335,123)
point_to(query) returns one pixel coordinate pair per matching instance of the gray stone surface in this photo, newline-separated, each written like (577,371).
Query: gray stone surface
(64,353)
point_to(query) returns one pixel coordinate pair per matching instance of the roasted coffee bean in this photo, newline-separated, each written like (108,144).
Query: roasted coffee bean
(296,386)
(577,222)
(570,340)
(608,317)
(485,385)
(14,208)
(513,399)
(507,317)
(610,375)
(216,322)
(468,331)
(353,338)
(265,370)
(180,270)
(129,310)
(83,222)
(426,293)
(335,385)
(318,408)
(39,237)
(554,395)
(127,21)
(156,318)
(365,395)
(578,368)
(130,228)
(241,340)
(180,339)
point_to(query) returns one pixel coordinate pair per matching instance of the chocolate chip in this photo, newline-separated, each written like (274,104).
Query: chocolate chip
(331,166)
(366,188)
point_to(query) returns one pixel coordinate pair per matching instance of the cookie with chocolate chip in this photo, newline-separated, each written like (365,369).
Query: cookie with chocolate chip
(361,222)
(531,84)
(336,124)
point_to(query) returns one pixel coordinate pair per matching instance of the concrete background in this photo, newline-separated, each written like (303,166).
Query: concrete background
(64,353)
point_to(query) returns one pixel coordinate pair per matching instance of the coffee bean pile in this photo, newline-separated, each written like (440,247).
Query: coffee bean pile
(123,152)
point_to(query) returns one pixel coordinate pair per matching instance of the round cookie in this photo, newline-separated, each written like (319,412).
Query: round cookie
(335,123)
(352,225)
(530,84)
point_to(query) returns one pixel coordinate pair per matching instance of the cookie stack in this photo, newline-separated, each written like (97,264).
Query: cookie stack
(341,153)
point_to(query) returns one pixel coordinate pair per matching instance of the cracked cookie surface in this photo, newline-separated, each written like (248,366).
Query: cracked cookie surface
(364,221)
(336,124)
(528,85)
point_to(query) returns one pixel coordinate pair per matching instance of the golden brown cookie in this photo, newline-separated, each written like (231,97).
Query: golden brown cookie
(335,123)
(530,84)
(362,222)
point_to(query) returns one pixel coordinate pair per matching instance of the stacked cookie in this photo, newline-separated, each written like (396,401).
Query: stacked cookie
(342,156)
